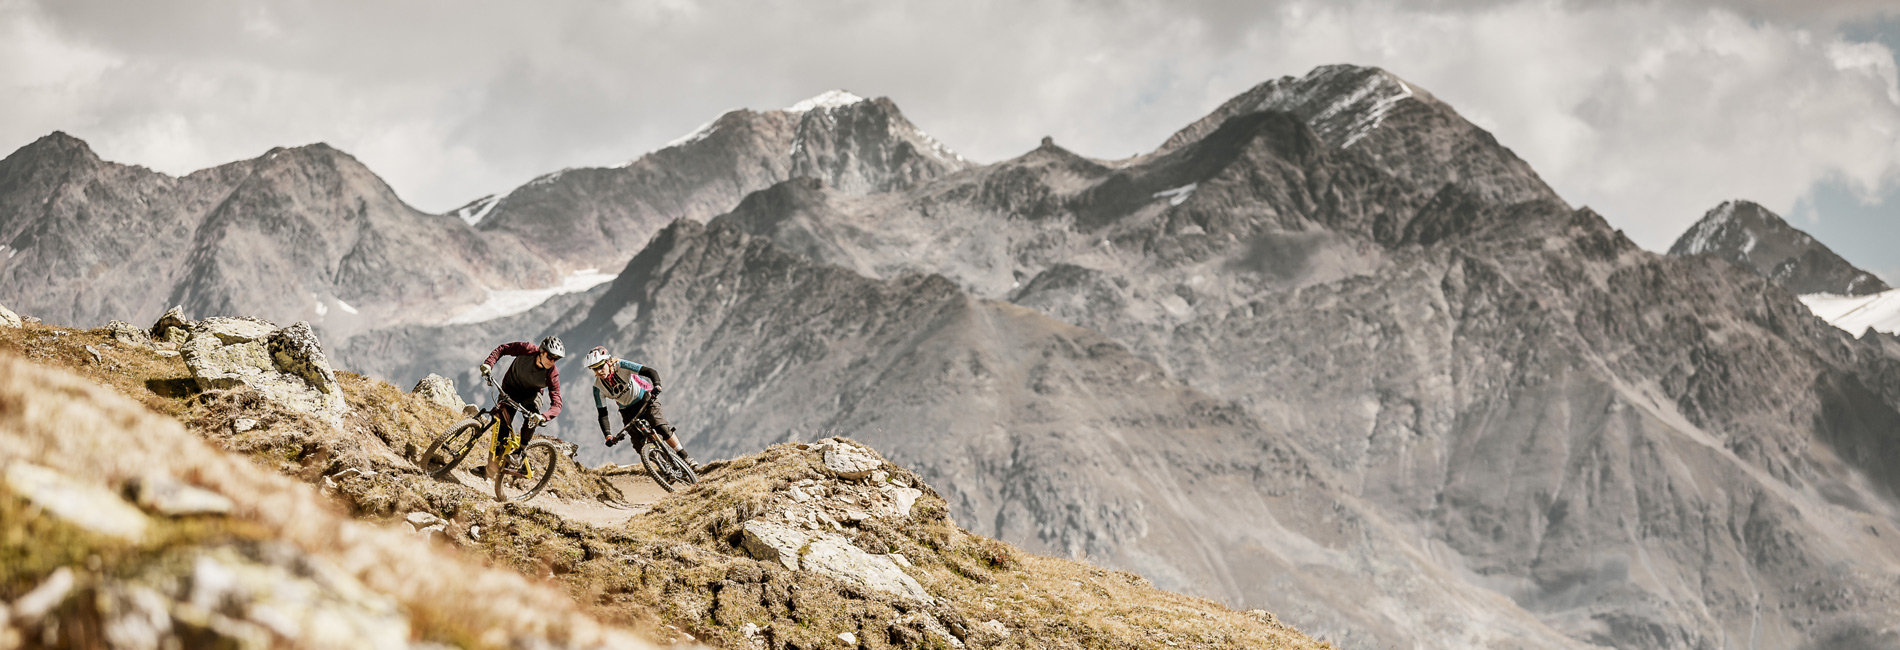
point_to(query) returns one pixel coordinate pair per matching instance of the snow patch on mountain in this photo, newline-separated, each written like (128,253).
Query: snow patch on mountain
(1178,195)
(827,99)
(502,303)
(1702,235)
(476,210)
(937,149)
(704,131)
(1356,113)
(1854,314)
(1379,89)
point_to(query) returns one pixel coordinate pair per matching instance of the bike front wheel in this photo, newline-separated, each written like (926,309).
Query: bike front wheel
(450,448)
(666,467)
(537,462)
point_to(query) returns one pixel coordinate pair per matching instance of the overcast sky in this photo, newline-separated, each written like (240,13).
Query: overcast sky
(1649,112)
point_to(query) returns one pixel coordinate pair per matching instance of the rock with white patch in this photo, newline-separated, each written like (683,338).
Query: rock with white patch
(834,556)
(10,319)
(850,461)
(901,499)
(769,541)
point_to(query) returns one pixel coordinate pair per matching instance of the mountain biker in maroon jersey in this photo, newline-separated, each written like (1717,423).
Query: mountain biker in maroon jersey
(629,384)
(523,383)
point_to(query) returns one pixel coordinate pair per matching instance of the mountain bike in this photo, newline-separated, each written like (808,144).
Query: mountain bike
(665,466)
(538,455)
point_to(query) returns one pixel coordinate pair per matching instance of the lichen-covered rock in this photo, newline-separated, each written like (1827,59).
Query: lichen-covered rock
(835,556)
(285,365)
(297,351)
(439,389)
(172,327)
(10,319)
(850,461)
(124,332)
(768,541)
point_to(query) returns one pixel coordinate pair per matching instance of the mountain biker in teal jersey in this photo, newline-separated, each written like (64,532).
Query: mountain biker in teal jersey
(523,383)
(628,384)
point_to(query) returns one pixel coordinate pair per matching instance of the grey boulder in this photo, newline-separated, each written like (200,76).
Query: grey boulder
(287,366)
(440,390)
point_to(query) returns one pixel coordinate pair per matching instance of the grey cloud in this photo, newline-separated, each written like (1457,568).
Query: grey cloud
(452,101)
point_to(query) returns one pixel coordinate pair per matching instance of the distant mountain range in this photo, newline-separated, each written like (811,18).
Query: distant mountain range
(1331,350)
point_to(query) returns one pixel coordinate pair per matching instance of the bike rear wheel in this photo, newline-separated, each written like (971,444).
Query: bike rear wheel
(537,461)
(450,448)
(666,467)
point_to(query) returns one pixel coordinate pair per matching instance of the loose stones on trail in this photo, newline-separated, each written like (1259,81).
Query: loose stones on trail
(286,366)
(439,389)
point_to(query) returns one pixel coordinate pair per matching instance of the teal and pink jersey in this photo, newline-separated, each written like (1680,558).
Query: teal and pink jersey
(624,386)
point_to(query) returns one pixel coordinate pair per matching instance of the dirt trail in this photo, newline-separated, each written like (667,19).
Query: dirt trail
(641,493)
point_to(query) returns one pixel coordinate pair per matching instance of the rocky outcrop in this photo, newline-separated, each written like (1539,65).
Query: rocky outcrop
(284,365)
(10,319)
(440,390)
(801,527)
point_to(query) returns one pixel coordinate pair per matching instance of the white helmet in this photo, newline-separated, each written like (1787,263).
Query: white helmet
(596,356)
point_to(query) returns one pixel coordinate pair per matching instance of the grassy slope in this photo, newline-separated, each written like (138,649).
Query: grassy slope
(678,567)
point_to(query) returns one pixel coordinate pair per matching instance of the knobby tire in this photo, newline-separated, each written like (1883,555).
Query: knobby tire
(541,456)
(457,442)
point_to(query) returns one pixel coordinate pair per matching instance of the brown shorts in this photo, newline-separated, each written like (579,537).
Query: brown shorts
(654,416)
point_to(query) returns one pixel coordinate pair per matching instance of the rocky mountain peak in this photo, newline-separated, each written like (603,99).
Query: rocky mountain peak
(1394,123)
(1747,234)
(865,146)
(53,149)
(1343,103)
(827,100)
(853,145)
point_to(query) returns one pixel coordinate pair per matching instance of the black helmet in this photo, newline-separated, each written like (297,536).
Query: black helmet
(553,347)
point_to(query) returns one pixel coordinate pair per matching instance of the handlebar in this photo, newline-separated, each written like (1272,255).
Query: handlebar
(502,396)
